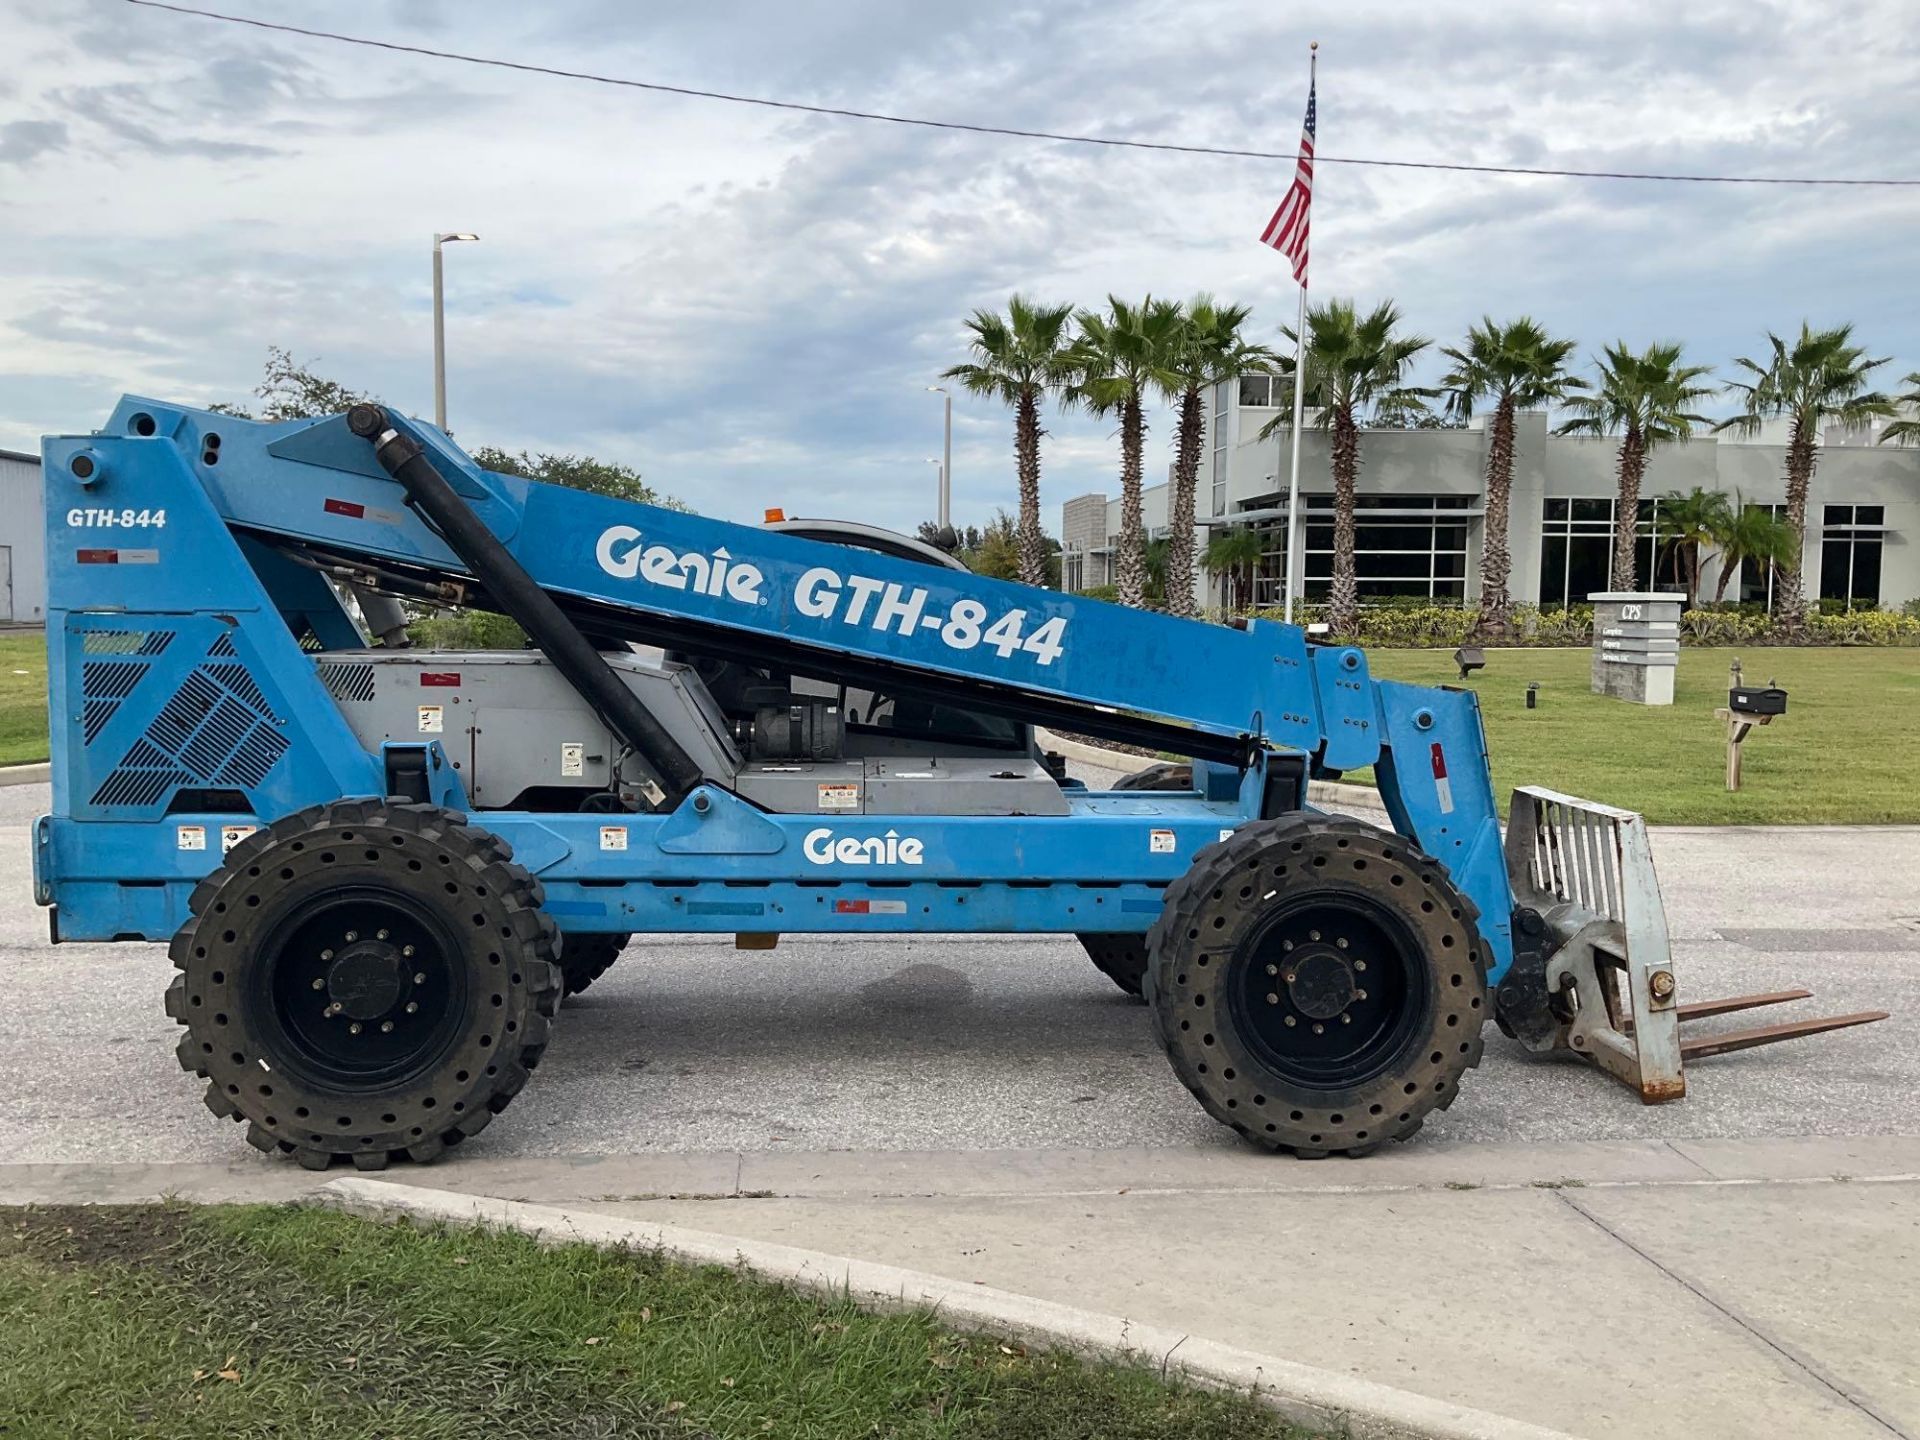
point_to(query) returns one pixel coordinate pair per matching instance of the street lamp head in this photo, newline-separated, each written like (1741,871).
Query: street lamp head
(453,235)
(936,389)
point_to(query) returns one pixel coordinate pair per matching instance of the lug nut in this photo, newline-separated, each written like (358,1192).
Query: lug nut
(1318,1028)
(406,952)
(419,977)
(379,934)
(354,1028)
(1313,934)
(1341,942)
(352,935)
(1345,1019)
(1272,999)
(1291,1022)
(1273,969)
(319,984)
(1360,965)
(1359,994)
(326,954)
(332,1010)
(412,1006)
(386,1027)
(1661,983)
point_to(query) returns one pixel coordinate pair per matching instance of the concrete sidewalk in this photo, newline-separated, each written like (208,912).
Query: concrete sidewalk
(1627,1288)
(1644,1290)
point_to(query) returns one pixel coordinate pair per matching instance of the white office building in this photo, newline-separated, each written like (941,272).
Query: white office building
(1420,509)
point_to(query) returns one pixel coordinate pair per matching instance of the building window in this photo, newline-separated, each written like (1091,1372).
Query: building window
(1220,393)
(1404,545)
(1756,578)
(1576,549)
(1851,538)
(1257,392)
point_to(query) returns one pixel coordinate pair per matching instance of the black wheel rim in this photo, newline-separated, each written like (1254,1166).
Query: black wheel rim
(1329,990)
(361,990)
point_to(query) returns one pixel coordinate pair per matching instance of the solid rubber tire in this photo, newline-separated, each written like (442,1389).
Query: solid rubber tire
(1194,947)
(1122,958)
(584,958)
(424,857)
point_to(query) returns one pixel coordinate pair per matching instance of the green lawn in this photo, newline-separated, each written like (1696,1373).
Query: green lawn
(168,1321)
(1847,750)
(23,698)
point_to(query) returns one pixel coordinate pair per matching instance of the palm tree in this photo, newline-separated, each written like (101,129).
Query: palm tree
(1353,361)
(1212,350)
(1691,520)
(1901,431)
(1646,398)
(1121,358)
(1518,367)
(1157,553)
(1235,555)
(1821,377)
(1750,534)
(1017,358)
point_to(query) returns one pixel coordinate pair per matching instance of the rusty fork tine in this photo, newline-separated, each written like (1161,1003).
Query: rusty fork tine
(1701,1009)
(1772,1034)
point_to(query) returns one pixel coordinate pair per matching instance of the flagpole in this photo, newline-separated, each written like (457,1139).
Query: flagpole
(1295,549)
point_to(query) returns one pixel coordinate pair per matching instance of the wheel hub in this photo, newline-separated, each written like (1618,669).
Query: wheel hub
(367,979)
(1320,982)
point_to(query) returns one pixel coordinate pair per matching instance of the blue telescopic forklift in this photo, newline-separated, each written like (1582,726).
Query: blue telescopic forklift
(380,868)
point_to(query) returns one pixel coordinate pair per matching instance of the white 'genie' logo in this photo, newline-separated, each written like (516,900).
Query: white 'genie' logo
(622,556)
(822,848)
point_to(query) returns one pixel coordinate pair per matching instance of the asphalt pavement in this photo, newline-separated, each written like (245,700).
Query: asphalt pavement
(949,1043)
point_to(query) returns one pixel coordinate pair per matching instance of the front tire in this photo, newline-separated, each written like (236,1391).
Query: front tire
(365,979)
(1318,984)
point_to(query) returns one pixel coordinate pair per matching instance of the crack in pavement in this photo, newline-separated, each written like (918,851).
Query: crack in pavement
(1789,1353)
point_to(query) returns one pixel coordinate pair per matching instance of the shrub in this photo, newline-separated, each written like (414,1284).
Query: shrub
(466,630)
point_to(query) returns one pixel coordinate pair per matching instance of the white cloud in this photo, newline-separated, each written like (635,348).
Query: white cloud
(748,304)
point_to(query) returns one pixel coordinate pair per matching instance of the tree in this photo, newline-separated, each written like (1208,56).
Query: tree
(1692,519)
(1750,534)
(1901,431)
(1121,358)
(1820,378)
(1353,362)
(1211,349)
(1018,358)
(1159,554)
(997,554)
(1516,366)
(292,391)
(576,472)
(1646,399)
(1235,556)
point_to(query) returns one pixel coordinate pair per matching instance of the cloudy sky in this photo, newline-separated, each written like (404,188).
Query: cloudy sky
(747,304)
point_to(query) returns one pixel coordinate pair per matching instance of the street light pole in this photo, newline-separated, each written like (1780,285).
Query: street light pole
(946,465)
(440,329)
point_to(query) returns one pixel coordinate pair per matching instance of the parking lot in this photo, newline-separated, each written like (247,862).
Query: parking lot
(1003,1042)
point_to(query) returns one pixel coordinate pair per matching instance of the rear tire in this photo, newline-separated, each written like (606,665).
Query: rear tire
(1122,958)
(584,958)
(1318,984)
(370,980)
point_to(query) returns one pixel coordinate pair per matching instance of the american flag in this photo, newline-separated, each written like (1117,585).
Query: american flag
(1287,230)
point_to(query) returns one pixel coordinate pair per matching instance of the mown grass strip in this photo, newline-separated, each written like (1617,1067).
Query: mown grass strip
(164,1322)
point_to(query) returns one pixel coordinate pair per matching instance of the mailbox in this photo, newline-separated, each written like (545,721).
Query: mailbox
(1760,701)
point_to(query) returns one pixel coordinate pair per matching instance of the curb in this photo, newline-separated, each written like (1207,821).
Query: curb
(1302,1393)
(1321,792)
(35,774)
